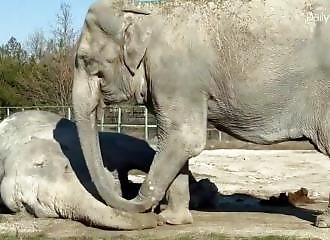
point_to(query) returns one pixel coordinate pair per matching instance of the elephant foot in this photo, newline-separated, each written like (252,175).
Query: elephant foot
(177,209)
(323,220)
(176,217)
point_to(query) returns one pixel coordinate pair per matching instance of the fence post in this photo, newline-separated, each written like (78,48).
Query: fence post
(146,126)
(69,113)
(7,111)
(220,136)
(102,122)
(146,130)
(119,120)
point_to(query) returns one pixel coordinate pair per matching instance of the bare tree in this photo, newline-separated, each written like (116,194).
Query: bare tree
(36,44)
(63,32)
(64,38)
(62,76)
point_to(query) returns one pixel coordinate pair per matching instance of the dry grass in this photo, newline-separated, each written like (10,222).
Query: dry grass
(182,237)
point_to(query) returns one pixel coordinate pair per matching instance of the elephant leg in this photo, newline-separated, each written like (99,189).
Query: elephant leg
(323,143)
(321,138)
(117,182)
(177,209)
(180,137)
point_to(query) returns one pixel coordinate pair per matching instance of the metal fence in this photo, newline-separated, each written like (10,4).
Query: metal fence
(133,120)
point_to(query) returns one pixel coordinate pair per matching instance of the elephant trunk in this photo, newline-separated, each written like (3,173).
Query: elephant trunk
(78,204)
(86,97)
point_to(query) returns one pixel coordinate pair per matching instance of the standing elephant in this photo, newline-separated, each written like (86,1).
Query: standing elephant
(276,88)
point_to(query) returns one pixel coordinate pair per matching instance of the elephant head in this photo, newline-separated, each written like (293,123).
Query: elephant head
(110,50)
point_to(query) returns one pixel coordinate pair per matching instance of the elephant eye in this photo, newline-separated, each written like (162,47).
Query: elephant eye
(100,74)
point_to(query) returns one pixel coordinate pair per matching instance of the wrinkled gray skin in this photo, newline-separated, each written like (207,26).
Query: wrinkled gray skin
(42,171)
(125,55)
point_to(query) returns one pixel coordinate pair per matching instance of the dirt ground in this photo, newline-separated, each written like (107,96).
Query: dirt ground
(243,177)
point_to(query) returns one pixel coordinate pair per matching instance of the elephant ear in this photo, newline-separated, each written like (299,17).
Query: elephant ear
(136,41)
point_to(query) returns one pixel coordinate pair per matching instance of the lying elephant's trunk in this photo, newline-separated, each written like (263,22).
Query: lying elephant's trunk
(78,204)
(85,94)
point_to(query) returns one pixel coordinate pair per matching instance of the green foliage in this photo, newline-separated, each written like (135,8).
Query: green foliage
(41,72)
(23,81)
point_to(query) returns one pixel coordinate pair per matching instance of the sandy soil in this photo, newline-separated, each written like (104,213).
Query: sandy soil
(265,172)
(243,178)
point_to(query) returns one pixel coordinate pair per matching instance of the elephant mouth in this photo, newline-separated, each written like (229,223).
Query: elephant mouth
(110,99)
(114,98)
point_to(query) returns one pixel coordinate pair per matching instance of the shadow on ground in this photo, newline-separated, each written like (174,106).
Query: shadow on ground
(247,203)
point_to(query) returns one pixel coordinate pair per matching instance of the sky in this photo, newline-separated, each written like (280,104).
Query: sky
(20,18)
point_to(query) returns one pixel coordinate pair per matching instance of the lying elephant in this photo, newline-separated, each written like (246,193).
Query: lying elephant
(43,173)
(38,152)
(185,67)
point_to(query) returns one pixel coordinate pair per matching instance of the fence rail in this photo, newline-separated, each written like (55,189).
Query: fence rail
(133,120)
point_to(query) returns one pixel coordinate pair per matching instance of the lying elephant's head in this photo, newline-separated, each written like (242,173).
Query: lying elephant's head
(110,50)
